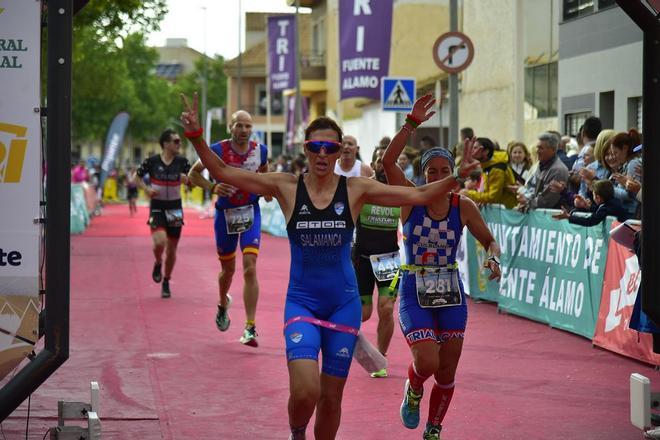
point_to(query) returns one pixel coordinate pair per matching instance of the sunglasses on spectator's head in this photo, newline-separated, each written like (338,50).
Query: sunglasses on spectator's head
(330,147)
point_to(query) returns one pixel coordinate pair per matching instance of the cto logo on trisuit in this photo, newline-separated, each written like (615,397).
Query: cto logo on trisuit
(12,156)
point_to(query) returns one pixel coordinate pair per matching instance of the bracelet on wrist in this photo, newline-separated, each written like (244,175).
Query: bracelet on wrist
(456,175)
(194,134)
(213,188)
(494,259)
(413,122)
(410,117)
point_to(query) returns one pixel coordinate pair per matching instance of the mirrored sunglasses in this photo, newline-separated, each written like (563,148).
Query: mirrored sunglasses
(330,147)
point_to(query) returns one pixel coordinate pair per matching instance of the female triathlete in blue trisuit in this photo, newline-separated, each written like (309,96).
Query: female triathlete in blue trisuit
(322,309)
(433,309)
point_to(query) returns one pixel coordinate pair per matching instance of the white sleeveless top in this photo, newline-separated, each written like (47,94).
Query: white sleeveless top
(353,172)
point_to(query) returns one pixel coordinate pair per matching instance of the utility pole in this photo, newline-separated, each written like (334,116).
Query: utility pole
(298,110)
(239,102)
(453,81)
(205,76)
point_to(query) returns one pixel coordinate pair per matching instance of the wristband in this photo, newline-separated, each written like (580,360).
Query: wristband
(413,123)
(213,188)
(416,121)
(457,176)
(194,134)
(494,259)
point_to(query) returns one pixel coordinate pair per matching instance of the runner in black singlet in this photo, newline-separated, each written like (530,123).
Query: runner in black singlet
(166,172)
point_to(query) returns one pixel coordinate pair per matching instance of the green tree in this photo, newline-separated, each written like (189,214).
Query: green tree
(112,67)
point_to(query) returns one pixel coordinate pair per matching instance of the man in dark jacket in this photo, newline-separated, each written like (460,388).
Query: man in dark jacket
(539,193)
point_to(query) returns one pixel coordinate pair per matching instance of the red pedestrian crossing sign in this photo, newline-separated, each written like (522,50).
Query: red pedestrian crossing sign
(397,94)
(453,52)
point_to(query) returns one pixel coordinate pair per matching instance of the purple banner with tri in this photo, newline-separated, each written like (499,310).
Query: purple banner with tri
(365,33)
(282,52)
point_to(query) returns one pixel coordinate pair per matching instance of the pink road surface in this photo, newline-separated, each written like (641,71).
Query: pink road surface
(166,372)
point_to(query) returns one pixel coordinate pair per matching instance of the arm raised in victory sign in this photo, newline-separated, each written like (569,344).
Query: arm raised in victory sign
(266,184)
(371,191)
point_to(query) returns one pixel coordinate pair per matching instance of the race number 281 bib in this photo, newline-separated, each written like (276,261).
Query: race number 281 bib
(239,219)
(385,266)
(438,288)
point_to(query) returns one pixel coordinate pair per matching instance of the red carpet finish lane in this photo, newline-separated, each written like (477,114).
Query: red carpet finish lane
(166,372)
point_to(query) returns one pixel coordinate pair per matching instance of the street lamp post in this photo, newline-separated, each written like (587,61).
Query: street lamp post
(298,109)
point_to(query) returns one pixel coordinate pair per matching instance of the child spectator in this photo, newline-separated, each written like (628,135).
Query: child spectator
(607,204)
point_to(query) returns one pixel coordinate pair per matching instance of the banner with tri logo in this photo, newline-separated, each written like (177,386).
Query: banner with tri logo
(20,151)
(20,178)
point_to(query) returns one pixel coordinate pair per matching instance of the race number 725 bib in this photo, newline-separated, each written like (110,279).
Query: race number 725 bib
(239,219)
(385,266)
(438,287)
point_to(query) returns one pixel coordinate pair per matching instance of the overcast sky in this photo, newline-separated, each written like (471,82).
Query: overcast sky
(186,19)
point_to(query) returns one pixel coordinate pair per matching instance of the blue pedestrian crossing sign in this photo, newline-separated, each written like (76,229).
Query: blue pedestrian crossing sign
(397,94)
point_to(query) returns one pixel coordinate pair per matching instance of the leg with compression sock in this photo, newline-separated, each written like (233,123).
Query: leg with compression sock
(440,399)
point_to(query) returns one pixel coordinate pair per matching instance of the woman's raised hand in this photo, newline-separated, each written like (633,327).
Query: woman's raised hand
(421,110)
(468,163)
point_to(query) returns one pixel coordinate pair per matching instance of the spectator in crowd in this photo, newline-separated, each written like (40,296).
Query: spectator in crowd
(497,176)
(384,141)
(606,204)
(466,133)
(426,143)
(589,132)
(282,164)
(418,176)
(79,173)
(457,150)
(299,166)
(600,168)
(405,162)
(550,168)
(635,186)
(520,161)
(561,150)
(571,147)
(610,164)
(473,182)
(623,145)
(575,182)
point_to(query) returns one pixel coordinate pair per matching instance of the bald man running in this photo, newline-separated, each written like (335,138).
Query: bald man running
(348,164)
(237,218)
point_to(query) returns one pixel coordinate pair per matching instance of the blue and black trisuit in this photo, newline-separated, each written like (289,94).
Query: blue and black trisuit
(322,283)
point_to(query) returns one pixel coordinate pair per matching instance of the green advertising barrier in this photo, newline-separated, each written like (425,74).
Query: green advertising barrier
(79,214)
(552,271)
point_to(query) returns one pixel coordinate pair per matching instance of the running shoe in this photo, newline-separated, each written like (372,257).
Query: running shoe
(410,406)
(249,337)
(432,432)
(380,373)
(222,320)
(165,289)
(156,274)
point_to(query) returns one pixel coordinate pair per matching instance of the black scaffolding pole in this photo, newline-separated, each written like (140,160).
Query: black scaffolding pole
(648,22)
